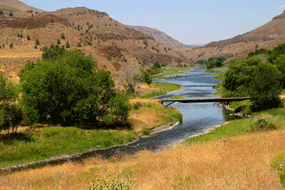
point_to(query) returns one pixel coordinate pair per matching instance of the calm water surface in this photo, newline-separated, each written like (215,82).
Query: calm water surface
(197,117)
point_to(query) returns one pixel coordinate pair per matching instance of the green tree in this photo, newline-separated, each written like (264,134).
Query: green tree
(156,65)
(11,13)
(67,45)
(28,37)
(1,13)
(37,42)
(70,89)
(146,77)
(58,41)
(11,45)
(265,86)
(62,36)
(53,52)
(10,112)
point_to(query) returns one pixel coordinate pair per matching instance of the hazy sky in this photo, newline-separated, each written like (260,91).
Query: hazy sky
(188,21)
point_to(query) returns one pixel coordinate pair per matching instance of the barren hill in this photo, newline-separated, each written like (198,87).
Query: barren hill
(110,42)
(163,38)
(241,45)
(18,8)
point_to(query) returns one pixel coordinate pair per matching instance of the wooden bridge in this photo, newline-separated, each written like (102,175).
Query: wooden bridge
(204,100)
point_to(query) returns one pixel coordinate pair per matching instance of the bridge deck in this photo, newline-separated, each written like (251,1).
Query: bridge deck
(206,100)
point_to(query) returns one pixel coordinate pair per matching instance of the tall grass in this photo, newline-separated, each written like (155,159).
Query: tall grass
(243,126)
(162,89)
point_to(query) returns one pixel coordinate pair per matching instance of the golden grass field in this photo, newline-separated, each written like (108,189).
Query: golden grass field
(241,162)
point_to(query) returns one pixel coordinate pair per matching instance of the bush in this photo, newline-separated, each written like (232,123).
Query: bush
(79,44)
(11,13)
(11,45)
(111,184)
(70,89)
(156,65)
(262,125)
(67,45)
(58,41)
(28,37)
(37,42)
(146,77)
(278,163)
(62,36)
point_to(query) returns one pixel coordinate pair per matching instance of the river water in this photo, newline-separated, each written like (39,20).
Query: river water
(197,117)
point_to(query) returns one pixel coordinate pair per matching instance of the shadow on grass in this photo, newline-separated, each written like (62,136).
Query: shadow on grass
(99,125)
(12,137)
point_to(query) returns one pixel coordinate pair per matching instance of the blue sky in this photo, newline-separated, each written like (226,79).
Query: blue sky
(188,21)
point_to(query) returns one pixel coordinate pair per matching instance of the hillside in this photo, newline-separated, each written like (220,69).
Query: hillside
(18,8)
(110,42)
(163,38)
(265,36)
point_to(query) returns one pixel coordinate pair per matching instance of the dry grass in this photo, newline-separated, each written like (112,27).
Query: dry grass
(234,163)
(150,115)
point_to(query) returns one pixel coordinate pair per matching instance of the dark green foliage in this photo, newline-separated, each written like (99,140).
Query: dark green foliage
(70,89)
(146,77)
(11,45)
(280,63)
(257,52)
(28,37)
(37,42)
(201,62)
(156,65)
(215,62)
(265,86)
(11,13)
(79,44)
(62,36)
(58,41)
(147,132)
(67,45)
(1,13)
(10,113)
(53,52)
(44,49)
(276,52)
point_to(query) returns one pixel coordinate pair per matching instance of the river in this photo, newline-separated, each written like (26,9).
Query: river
(197,117)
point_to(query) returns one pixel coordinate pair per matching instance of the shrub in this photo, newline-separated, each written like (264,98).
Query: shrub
(262,125)
(37,42)
(79,44)
(58,41)
(111,184)
(156,65)
(11,45)
(67,45)
(278,163)
(147,132)
(62,36)
(146,77)
(28,37)
(11,13)
(1,13)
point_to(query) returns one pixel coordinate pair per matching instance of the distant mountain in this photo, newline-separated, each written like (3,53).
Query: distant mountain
(266,36)
(110,42)
(163,38)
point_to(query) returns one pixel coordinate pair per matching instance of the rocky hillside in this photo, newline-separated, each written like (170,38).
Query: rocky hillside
(266,36)
(163,38)
(18,8)
(110,42)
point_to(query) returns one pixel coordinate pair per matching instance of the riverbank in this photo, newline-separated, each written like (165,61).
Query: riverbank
(41,143)
(229,162)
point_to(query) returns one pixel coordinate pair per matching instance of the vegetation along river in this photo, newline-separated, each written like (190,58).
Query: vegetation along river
(197,117)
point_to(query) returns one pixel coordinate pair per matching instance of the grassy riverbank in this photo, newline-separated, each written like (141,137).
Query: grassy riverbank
(38,143)
(224,160)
